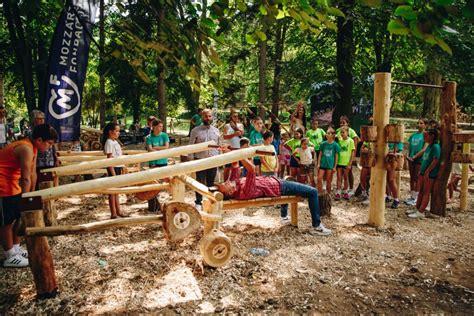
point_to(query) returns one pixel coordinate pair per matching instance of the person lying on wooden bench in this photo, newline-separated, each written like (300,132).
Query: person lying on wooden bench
(252,187)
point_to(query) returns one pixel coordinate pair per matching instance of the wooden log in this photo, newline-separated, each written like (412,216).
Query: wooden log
(135,189)
(378,173)
(325,204)
(368,133)
(448,127)
(80,158)
(49,207)
(394,133)
(200,188)
(367,158)
(466,137)
(40,258)
(464,180)
(214,208)
(124,160)
(63,153)
(96,145)
(93,227)
(236,204)
(143,176)
(294,213)
(464,158)
(180,220)
(216,248)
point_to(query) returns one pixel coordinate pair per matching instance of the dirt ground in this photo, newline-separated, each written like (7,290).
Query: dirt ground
(410,266)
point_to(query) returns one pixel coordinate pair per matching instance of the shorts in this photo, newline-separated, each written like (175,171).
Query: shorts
(341,167)
(294,163)
(118,171)
(153,166)
(257,161)
(9,209)
(321,168)
(305,169)
(430,176)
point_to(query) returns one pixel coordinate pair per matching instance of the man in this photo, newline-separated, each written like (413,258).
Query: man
(233,132)
(204,133)
(17,176)
(3,127)
(252,187)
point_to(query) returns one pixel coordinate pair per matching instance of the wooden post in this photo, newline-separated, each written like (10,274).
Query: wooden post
(49,209)
(294,213)
(378,180)
(40,258)
(178,190)
(464,180)
(214,208)
(448,128)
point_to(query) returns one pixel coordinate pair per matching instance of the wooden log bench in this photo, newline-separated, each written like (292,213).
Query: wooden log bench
(267,201)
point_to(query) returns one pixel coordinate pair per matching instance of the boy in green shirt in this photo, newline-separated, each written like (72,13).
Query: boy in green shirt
(316,135)
(344,162)
(256,138)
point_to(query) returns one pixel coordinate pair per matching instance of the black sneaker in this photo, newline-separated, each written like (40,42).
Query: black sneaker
(395,204)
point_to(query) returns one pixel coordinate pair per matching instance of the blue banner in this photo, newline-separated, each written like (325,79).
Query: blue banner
(67,68)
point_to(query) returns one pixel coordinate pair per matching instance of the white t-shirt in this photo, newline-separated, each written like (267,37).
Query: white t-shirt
(3,133)
(306,157)
(113,147)
(234,142)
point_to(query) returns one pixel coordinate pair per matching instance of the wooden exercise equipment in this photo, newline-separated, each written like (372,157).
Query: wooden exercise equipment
(465,157)
(367,158)
(368,133)
(394,133)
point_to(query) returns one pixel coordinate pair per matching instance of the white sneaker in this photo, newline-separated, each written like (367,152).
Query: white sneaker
(285,220)
(411,211)
(198,207)
(21,251)
(410,202)
(366,202)
(416,214)
(320,231)
(16,261)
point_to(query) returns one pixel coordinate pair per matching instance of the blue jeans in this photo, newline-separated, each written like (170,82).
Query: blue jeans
(305,191)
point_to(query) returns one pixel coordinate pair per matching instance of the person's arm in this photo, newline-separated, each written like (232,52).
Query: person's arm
(192,141)
(229,136)
(335,161)
(294,156)
(420,153)
(248,165)
(158,148)
(25,154)
(349,166)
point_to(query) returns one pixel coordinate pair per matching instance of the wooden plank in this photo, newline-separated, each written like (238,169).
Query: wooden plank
(93,227)
(466,137)
(136,189)
(236,204)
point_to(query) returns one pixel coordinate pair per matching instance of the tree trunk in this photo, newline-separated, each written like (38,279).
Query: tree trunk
(344,61)
(161,86)
(136,105)
(22,51)
(279,47)
(262,70)
(102,105)
(2,100)
(431,97)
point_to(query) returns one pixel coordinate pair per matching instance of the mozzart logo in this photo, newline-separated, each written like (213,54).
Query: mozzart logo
(62,97)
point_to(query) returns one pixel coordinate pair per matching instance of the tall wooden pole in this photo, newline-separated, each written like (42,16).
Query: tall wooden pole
(464,179)
(378,180)
(448,128)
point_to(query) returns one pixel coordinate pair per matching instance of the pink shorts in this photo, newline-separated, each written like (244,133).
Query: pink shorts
(284,160)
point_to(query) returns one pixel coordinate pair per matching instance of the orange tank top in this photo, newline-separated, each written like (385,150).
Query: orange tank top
(10,168)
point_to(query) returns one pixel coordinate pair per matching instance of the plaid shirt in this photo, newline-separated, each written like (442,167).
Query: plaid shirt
(252,187)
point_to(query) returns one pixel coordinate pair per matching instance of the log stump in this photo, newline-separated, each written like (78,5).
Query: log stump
(180,220)
(216,248)
(325,204)
(368,133)
(367,159)
(394,133)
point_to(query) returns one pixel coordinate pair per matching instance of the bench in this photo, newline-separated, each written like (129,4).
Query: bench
(267,201)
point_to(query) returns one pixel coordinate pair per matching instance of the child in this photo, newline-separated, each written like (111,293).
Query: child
(244,143)
(304,156)
(344,121)
(284,156)
(112,149)
(327,160)
(453,181)
(392,189)
(344,162)
(428,171)
(291,145)
(316,135)
(269,163)
(158,140)
(256,138)
(416,148)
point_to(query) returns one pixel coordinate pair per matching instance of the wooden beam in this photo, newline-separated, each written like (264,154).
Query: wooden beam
(448,128)
(125,160)
(464,180)
(93,227)
(63,153)
(81,158)
(143,176)
(200,188)
(236,204)
(136,189)
(466,137)
(378,180)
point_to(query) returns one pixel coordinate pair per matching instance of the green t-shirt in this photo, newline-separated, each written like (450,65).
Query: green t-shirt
(328,152)
(416,142)
(197,119)
(352,133)
(293,144)
(316,137)
(347,146)
(156,141)
(256,138)
(432,152)
(399,147)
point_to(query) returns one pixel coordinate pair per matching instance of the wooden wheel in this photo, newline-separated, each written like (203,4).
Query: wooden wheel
(96,145)
(216,248)
(180,220)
